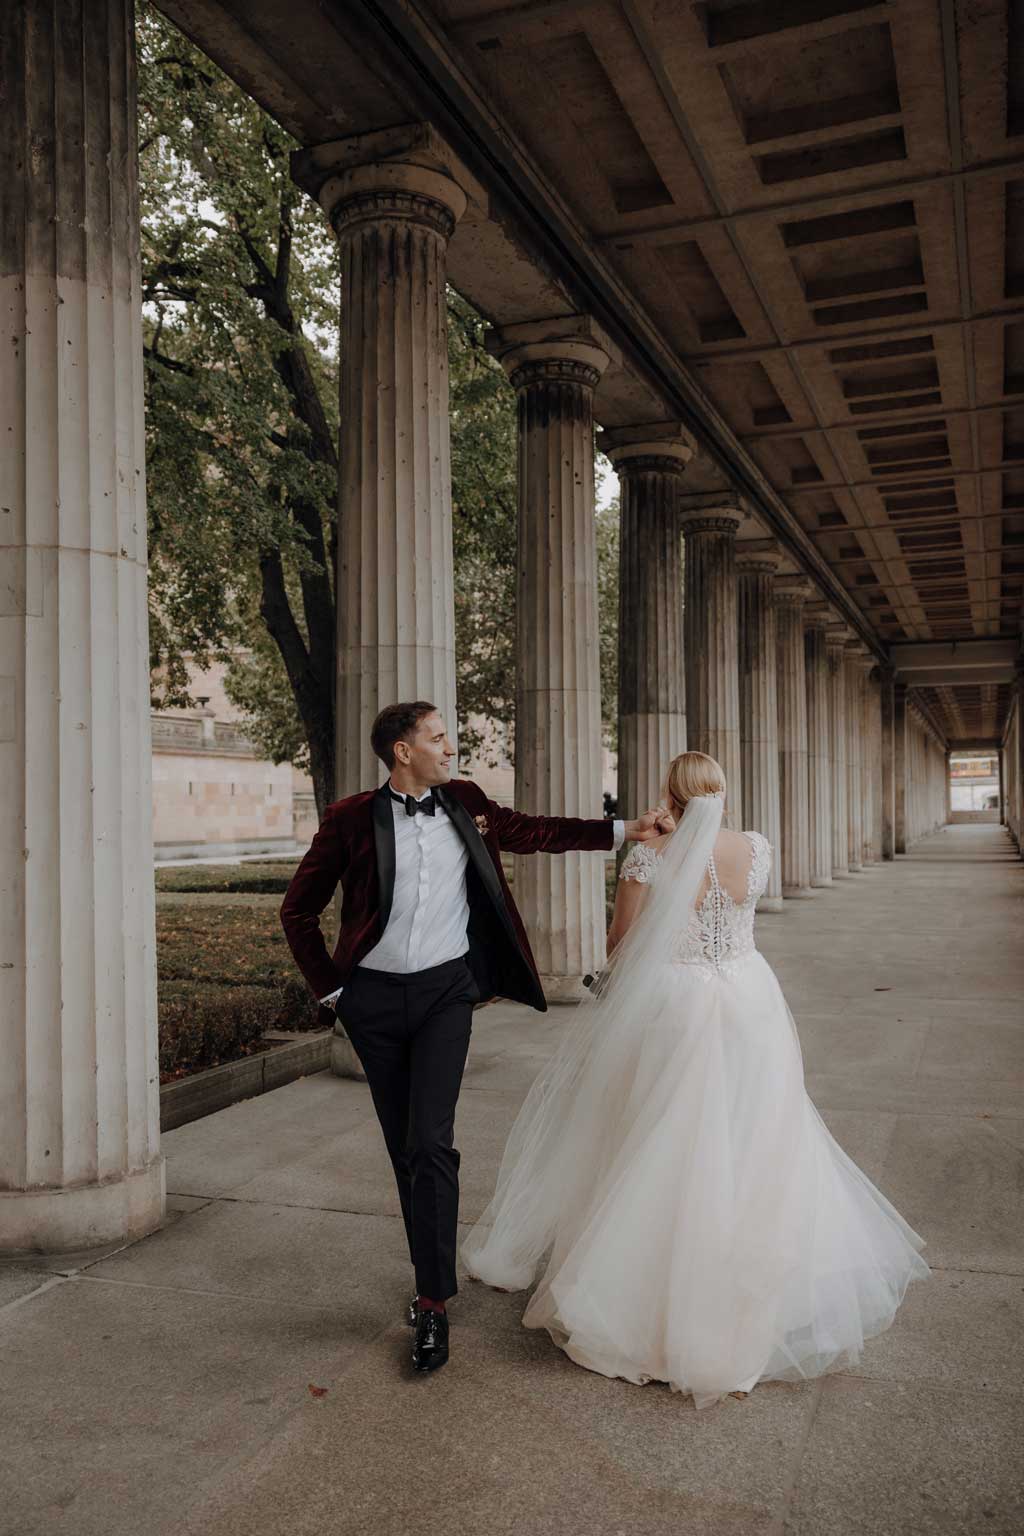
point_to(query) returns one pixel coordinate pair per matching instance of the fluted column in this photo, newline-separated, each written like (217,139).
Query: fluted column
(819,749)
(887,778)
(868,761)
(651,462)
(555,368)
(79,1088)
(854,751)
(711,638)
(791,593)
(759,704)
(901,755)
(393,200)
(835,650)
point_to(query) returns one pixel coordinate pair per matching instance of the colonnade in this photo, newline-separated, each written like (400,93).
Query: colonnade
(719,650)
(1011,763)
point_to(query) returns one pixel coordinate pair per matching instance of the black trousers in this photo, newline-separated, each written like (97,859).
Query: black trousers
(411,1034)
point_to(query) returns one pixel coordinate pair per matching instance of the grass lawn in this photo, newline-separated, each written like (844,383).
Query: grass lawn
(225,973)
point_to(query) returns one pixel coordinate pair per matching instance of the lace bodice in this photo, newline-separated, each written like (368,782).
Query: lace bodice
(719,934)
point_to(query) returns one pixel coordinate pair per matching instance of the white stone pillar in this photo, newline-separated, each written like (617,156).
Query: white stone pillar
(868,761)
(791,592)
(756,566)
(711,638)
(1018,756)
(393,199)
(901,766)
(854,751)
(555,367)
(835,650)
(650,462)
(79,1088)
(887,753)
(819,749)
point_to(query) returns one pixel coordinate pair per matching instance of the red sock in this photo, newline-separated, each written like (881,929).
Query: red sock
(426,1304)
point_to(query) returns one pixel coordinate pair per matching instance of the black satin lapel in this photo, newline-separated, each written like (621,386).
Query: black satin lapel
(477,850)
(384,841)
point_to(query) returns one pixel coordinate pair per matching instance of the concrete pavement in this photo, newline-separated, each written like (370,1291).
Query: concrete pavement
(244,1369)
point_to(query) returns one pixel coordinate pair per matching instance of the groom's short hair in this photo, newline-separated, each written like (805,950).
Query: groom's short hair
(397,722)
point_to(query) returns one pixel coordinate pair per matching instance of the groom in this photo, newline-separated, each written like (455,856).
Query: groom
(428,929)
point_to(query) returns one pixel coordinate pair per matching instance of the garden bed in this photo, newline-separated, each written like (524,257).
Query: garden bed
(225,977)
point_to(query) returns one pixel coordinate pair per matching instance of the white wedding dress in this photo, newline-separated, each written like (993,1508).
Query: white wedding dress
(700,1224)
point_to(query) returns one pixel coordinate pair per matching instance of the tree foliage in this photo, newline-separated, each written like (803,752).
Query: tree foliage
(241,296)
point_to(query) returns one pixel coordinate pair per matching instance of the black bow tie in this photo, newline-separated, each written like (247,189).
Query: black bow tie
(427,805)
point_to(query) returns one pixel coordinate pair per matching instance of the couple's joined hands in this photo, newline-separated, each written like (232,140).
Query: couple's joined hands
(651,824)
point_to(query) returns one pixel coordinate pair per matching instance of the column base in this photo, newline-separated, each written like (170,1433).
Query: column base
(856,869)
(83,1215)
(344,1061)
(821,882)
(564,989)
(840,874)
(770,904)
(798,893)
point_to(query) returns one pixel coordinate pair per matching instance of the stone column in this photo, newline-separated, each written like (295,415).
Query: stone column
(949,785)
(900,731)
(1002,788)
(819,746)
(791,592)
(835,647)
(650,462)
(711,636)
(888,763)
(756,566)
(1018,757)
(79,1086)
(868,761)
(555,367)
(854,750)
(393,199)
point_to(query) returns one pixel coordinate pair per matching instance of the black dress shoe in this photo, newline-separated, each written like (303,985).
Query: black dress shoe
(430,1347)
(413,1312)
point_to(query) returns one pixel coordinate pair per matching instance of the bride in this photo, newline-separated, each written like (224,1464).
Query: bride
(701,1225)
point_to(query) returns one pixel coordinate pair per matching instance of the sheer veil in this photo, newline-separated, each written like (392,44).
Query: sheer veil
(540,1177)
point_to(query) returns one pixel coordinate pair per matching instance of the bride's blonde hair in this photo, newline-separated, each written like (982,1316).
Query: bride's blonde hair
(691,774)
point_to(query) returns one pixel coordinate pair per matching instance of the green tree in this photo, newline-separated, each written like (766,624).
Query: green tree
(241,295)
(608,618)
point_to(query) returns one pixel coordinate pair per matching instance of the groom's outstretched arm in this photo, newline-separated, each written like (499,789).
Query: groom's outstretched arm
(519,833)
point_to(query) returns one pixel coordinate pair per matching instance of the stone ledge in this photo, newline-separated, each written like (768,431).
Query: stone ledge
(205,1092)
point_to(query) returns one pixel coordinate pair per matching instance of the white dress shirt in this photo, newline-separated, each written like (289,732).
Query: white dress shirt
(429,915)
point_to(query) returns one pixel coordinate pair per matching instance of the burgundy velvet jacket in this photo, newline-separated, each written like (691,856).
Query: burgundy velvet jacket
(356,845)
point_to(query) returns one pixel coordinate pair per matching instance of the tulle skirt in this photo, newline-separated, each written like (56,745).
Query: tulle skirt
(700,1225)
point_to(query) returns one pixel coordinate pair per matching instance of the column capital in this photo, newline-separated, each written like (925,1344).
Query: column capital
(758,556)
(717,512)
(837,636)
(712,512)
(817,615)
(570,349)
(793,591)
(662,445)
(395,173)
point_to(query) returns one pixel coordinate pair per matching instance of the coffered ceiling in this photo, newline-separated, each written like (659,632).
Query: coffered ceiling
(813,208)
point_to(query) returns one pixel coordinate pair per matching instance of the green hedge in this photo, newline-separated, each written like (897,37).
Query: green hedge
(225,975)
(253,879)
